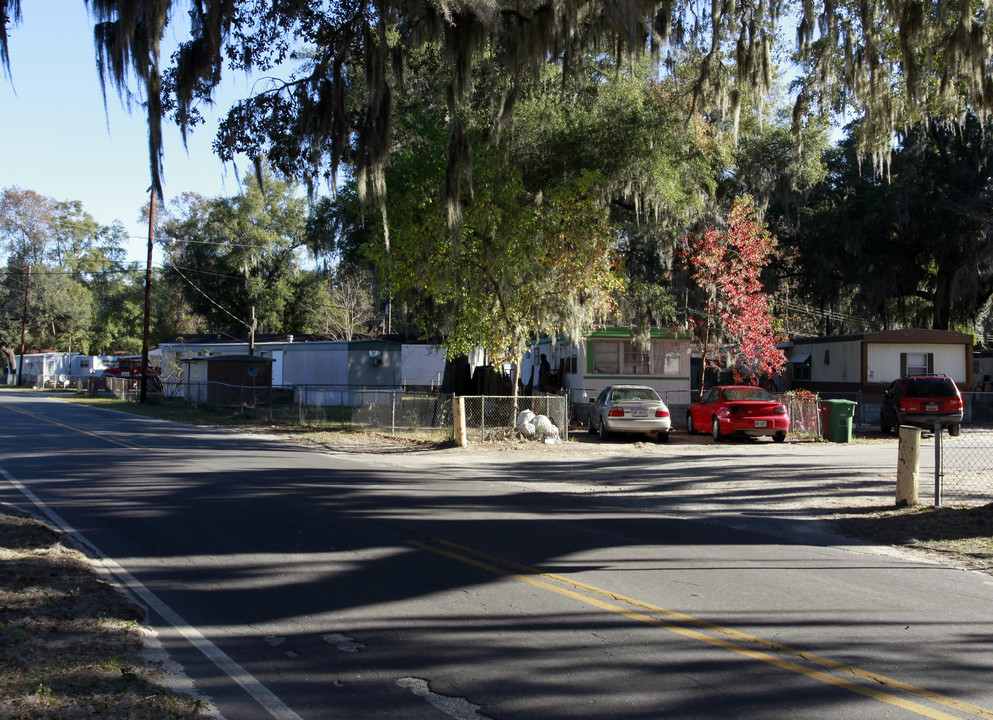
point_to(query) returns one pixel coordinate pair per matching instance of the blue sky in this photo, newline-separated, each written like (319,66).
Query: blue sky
(59,141)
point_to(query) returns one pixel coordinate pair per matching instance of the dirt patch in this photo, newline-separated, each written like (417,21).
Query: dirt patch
(363,441)
(959,536)
(71,644)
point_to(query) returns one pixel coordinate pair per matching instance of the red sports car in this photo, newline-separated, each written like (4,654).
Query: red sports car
(738,410)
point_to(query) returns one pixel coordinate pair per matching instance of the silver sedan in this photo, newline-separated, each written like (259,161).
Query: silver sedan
(630,409)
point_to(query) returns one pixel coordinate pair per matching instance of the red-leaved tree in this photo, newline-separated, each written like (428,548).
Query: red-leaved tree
(727,267)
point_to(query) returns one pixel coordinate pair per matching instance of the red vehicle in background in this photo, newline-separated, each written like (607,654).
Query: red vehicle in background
(128,367)
(727,410)
(922,400)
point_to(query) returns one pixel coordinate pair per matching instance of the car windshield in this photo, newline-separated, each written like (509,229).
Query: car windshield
(634,394)
(930,387)
(736,394)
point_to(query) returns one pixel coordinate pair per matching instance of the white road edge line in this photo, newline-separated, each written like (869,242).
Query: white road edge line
(248,682)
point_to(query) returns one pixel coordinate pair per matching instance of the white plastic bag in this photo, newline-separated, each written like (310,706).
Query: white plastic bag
(525,423)
(544,427)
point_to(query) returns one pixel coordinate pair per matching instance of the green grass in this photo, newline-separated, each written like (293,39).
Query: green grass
(172,409)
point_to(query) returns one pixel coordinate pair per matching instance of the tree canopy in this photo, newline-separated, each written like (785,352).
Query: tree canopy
(246,249)
(70,271)
(499,119)
(912,248)
(340,64)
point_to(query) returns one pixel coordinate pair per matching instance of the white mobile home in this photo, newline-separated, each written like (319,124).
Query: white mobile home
(609,356)
(320,366)
(84,367)
(39,369)
(869,362)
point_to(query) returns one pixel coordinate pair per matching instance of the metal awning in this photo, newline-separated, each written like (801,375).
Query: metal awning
(801,358)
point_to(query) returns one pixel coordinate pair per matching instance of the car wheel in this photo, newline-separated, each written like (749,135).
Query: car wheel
(954,430)
(604,432)
(663,437)
(690,428)
(779,437)
(716,430)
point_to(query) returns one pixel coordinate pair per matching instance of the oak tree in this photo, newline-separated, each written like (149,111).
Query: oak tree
(338,66)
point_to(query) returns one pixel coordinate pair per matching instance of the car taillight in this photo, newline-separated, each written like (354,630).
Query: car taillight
(616,412)
(661,413)
(780,410)
(736,410)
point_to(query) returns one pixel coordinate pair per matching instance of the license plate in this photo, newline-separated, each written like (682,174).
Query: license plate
(931,407)
(761,423)
(639,413)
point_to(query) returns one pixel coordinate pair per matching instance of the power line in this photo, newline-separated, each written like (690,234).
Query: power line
(831,315)
(210,299)
(223,243)
(202,272)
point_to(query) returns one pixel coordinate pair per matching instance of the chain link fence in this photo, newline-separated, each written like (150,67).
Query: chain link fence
(978,409)
(964,464)
(490,418)
(389,411)
(965,467)
(804,411)
(120,387)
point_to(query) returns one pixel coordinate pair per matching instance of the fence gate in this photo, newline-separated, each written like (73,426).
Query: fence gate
(963,466)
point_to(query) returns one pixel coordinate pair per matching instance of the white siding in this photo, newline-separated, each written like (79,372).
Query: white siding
(83,366)
(277,368)
(327,365)
(883,360)
(422,365)
(834,362)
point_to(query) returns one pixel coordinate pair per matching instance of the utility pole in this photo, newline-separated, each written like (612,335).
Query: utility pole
(148,296)
(251,333)
(24,328)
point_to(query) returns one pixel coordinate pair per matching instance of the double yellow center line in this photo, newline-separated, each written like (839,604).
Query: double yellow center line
(814,667)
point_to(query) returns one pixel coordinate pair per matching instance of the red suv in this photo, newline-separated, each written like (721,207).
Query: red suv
(922,400)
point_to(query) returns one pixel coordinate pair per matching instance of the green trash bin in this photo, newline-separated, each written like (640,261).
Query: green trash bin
(836,419)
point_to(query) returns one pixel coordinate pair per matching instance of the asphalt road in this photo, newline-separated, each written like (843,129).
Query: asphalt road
(684,581)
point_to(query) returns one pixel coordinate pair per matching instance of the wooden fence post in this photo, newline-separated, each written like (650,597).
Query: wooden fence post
(460,435)
(907,465)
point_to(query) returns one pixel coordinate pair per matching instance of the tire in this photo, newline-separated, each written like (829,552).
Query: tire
(690,428)
(604,432)
(779,437)
(885,427)
(954,430)
(663,437)
(715,430)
